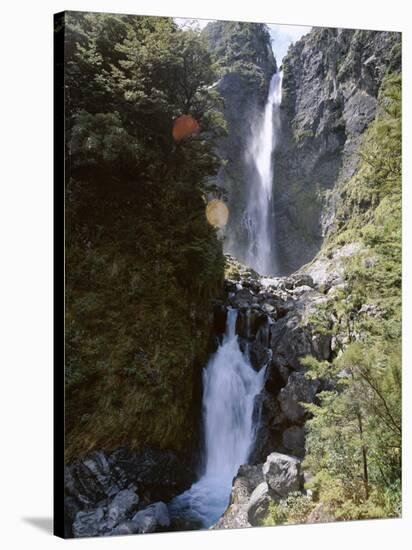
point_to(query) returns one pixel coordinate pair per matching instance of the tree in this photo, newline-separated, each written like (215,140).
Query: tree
(353,446)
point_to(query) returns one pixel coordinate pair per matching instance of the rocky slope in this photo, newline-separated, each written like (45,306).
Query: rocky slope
(122,492)
(330,86)
(275,326)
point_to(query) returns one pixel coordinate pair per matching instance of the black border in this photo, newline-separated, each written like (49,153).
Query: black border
(58,272)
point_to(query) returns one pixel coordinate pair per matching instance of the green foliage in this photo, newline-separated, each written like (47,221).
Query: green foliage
(293,509)
(353,447)
(239,47)
(142,262)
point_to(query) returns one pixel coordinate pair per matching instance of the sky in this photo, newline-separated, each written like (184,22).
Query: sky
(282,35)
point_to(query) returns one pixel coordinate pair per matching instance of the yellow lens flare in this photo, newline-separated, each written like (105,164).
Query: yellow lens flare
(217,213)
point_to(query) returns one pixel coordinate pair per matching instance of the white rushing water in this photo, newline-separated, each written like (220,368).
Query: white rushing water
(230,386)
(259,216)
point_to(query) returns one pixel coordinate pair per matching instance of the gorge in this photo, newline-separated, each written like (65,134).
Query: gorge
(197,379)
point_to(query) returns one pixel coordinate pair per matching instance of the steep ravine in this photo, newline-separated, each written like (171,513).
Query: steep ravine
(125,491)
(331,82)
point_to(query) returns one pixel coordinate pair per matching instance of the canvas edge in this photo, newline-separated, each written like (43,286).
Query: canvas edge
(58,273)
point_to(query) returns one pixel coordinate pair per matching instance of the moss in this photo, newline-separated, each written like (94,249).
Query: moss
(299,135)
(137,332)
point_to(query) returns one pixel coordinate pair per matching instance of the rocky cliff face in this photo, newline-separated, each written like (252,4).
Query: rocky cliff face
(330,86)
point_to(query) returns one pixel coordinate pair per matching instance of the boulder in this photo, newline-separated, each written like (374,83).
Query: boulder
(125,528)
(302,279)
(245,482)
(322,346)
(297,390)
(282,474)
(242,298)
(153,518)
(258,504)
(91,523)
(93,479)
(121,507)
(289,341)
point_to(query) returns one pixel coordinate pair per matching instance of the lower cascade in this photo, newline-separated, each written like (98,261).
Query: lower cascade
(230,386)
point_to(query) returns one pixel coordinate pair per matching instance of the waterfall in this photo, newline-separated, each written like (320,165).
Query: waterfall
(259,216)
(230,386)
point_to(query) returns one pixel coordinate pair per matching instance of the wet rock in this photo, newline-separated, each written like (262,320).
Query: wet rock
(219,319)
(269,308)
(259,352)
(121,507)
(249,321)
(92,479)
(282,474)
(125,528)
(245,482)
(90,523)
(242,299)
(153,518)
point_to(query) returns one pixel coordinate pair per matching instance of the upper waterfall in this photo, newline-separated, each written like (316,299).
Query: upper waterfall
(259,215)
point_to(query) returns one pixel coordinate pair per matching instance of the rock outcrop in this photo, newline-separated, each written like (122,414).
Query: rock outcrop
(275,325)
(260,485)
(282,474)
(122,492)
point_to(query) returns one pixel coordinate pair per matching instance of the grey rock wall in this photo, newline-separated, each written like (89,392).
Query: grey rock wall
(330,86)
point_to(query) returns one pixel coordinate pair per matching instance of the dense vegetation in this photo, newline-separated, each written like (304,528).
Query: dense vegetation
(353,446)
(142,261)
